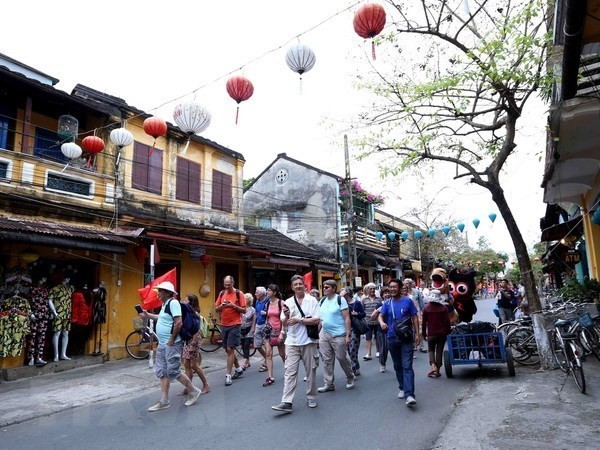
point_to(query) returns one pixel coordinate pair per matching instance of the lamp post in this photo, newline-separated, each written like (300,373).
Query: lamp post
(352,258)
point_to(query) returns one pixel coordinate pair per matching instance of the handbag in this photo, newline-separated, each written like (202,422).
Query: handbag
(311,330)
(266,331)
(245,330)
(402,327)
(360,326)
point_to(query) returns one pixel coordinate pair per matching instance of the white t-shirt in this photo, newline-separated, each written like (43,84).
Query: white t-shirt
(296,334)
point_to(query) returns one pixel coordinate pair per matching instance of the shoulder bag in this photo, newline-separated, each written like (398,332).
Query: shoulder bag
(402,327)
(311,330)
(359,326)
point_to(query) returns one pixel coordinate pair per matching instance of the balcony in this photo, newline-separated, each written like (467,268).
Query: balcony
(365,238)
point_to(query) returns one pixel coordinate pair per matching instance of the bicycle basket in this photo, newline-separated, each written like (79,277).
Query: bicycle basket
(585,320)
(138,323)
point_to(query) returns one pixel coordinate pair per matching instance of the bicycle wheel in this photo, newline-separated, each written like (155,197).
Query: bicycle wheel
(576,369)
(590,342)
(211,343)
(558,351)
(137,345)
(447,364)
(510,363)
(523,345)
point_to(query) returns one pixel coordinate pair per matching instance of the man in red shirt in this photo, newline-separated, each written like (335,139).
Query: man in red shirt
(231,303)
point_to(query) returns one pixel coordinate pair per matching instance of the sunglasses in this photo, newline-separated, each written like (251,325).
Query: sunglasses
(326,286)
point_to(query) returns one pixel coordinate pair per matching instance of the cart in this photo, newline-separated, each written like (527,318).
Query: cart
(477,348)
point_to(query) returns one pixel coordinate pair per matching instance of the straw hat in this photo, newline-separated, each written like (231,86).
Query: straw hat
(166,286)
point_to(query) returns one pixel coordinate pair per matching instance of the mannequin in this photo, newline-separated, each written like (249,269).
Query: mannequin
(60,304)
(99,316)
(40,315)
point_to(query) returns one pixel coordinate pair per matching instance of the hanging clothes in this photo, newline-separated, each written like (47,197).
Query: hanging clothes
(99,315)
(81,310)
(14,326)
(61,297)
(40,310)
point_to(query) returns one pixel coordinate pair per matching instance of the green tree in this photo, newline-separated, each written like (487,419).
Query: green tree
(459,96)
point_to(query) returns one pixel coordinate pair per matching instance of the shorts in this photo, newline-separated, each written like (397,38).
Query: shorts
(258,335)
(168,361)
(61,325)
(372,332)
(231,336)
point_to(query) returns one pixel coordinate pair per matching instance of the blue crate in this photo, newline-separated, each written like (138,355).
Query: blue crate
(480,348)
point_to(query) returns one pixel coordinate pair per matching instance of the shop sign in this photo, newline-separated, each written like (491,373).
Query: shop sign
(572,257)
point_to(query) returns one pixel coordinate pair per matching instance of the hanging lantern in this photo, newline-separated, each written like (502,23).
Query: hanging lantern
(469,263)
(192,119)
(446,229)
(205,260)
(489,263)
(68,127)
(391,235)
(478,263)
(240,89)
(418,234)
(431,233)
(492,217)
(379,235)
(155,127)
(300,58)
(121,137)
(369,21)
(500,263)
(476,222)
(460,226)
(71,150)
(141,253)
(29,255)
(513,262)
(93,145)
(537,259)
(404,236)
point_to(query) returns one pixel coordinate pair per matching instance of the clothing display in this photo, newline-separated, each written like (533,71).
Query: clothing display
(40,316)
(14,325)
(61,297)
(99,315)
(81,309)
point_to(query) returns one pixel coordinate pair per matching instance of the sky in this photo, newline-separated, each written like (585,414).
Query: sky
(156,55)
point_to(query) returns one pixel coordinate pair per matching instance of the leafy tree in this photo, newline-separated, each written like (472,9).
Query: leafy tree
(458,98)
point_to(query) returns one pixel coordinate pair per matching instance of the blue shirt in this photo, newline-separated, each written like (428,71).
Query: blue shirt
(331,315)
(261,306)
(402,308)
(164,324)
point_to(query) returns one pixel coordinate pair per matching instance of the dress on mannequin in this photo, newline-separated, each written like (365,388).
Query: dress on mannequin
(40,315)
(99,316)
(61,302)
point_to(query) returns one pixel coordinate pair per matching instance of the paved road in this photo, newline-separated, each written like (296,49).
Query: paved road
(239,416)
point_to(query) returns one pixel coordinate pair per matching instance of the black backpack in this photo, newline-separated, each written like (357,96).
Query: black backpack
(190,321)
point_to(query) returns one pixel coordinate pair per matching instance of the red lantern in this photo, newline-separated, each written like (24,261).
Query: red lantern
(240,89)
(369,21)
(500,263)
(537,259)
(489,263)
(513,262)
(478,263)
(155,127)
(141,253)
(205,260)
(93,145)
(469,263)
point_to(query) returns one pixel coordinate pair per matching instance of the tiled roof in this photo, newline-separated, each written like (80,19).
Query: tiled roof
(277,243)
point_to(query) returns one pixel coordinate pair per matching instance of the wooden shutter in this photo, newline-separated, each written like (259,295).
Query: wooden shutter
(188,180)
(155,169)
(140,166)
(194,176)
(226,192)
(221,194)
(182,190)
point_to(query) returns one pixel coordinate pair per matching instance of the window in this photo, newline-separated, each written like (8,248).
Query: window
(147,169)
(188,180)
(46,145)
(57,182)
(294,220)
(221,191)
(3,170)
(264,222)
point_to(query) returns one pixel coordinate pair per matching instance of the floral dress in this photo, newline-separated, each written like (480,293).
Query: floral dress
(61,297)
(40,310)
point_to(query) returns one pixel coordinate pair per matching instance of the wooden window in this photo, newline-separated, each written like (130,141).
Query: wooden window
(188,180)
(221,191)
(147,169)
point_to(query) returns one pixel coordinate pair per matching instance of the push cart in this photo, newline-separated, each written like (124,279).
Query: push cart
(477,348)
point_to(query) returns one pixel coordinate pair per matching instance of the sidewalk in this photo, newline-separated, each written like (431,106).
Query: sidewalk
(535,409)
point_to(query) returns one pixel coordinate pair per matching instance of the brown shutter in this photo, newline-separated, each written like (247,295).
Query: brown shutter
(140,166)
(194,177)
(226,193)
(182,190)
(155,170)
(217,188)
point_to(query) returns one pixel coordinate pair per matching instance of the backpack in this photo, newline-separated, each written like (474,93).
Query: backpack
(190,321)
(339,299)
(238,294)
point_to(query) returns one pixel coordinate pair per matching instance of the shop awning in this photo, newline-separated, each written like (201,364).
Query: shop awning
(62,235)
(573,227)
(238,248)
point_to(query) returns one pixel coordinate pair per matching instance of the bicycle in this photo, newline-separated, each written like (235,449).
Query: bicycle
(240,351)
(212,341)
(141,341)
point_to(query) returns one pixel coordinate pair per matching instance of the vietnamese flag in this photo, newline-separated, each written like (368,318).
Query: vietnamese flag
(308,280)
(148,294)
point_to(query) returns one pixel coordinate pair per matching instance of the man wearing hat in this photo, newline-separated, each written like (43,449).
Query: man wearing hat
(168,354)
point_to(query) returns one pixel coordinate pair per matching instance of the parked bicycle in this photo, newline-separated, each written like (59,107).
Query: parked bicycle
(141,341)
(212,341)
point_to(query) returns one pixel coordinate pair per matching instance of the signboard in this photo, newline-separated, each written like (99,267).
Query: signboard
(572,257)
(357,281)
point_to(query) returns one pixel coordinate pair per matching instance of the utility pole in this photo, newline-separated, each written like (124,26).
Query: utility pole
(352,259)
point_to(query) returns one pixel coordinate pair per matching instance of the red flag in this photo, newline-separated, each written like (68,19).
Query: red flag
(157,256)
(148,295)
(308,279)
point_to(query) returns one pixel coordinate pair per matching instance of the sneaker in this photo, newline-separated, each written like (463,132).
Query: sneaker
(159,406)
(193,398)
(350,382)
(312,403)
(283,407)
(377,355)
(367,357)
(401,394)
(410,401)
(237,374)
(382,369)
(228,380)
(305,378)
(326,388)
(357,373)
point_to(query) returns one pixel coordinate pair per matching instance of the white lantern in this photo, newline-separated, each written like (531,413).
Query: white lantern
(300,59)
(71,150)
(191,118)
(121,137)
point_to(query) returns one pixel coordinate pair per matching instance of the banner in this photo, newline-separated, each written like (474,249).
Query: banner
(148,294)
(308,279)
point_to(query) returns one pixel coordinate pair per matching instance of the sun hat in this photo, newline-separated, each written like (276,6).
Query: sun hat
(165,286)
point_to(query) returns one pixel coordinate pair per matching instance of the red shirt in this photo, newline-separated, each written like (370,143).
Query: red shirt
(231,316)
(436,320)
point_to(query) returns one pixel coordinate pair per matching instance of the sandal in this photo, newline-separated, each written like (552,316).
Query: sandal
(432,374)
(269,382)
(263,368)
